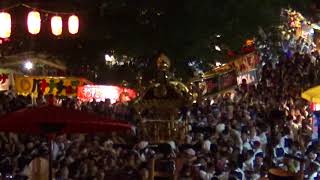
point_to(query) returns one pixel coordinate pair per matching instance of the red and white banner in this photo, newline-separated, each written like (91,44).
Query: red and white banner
(245,63)
(102,93)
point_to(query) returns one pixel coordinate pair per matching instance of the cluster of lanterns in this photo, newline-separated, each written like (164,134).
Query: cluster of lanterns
(297,26)
(295,18)
(34,24)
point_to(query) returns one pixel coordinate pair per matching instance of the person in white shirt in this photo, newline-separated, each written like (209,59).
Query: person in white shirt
(248,164)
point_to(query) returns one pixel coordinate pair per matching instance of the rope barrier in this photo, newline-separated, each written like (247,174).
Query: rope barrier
(38,9)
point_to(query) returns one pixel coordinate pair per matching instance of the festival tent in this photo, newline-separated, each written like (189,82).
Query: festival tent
(50,120)
(312,95)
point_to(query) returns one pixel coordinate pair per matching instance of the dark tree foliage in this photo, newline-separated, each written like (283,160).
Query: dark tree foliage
(184,28)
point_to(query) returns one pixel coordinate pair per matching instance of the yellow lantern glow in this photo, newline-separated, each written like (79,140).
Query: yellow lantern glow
(73,24)
(249,42)
(5,25)
(34,22)
(56,25)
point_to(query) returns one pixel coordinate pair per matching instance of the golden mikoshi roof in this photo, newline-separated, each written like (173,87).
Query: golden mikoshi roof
(173,94)
(165,95)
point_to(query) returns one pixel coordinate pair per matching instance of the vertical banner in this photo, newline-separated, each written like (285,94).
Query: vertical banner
(315,126)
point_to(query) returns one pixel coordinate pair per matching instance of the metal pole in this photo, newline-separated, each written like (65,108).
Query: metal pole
(50,157)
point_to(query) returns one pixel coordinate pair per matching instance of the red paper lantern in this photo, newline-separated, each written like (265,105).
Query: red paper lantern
(73,24)
(56,25)
(5,25)
(34,22)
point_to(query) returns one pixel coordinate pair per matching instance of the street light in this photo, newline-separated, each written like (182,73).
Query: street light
(217,48)
(28,65)
(109,58)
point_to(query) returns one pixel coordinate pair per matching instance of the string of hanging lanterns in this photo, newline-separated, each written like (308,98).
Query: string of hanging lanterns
(34,21)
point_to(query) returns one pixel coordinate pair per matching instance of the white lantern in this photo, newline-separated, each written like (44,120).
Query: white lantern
(34,22)
(5,25)
(73,24)
(56,25)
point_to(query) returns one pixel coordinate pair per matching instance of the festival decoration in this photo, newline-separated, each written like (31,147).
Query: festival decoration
(6,78)
(3,78)
(294,27)
(249,42)
(34,22)
(69,89)
(56,25)
(101,93)
(73,24)
(294,33)
(245,63)
(315,126)
(217,82)
(60,86)
(4,81)
(5,25)
(52,85)
(43,85)
(250,77)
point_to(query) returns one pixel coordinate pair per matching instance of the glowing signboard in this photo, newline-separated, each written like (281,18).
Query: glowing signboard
(102,93)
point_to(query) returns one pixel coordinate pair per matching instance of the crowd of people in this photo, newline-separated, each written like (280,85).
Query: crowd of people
(232,136)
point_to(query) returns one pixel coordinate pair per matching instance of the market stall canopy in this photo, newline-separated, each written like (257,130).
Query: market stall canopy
(312,94)
(40,58)
(54,119)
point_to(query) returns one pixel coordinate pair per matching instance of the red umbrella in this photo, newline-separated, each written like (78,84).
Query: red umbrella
(51,119)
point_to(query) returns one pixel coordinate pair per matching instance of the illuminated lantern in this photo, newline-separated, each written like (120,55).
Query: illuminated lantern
(249,42)
(5,25)
(34,22)
(73,24)
(56,25)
